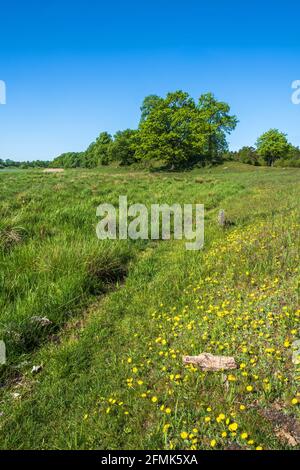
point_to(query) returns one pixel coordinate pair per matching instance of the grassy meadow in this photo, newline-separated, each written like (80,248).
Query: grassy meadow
(123,313)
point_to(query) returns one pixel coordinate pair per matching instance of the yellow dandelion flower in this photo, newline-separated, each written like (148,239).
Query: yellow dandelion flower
(184,435)
(233,427)
(213,443)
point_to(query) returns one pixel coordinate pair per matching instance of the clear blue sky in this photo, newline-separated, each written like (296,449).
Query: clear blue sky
(75,68)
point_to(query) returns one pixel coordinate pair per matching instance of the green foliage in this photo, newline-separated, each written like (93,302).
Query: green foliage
(169,131)
(8,163)
(292,159)
(217,122)
(251,156)
(272,145)
(95,155)
(246,155)
(172,130)
(288,163)
(98,152)
(149,103)
(68,160)
(176,131)
(123,147)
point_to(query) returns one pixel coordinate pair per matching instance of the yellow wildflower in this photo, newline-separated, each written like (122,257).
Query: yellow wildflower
(233,427)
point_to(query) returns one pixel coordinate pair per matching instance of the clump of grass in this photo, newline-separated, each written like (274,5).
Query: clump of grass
(10,236)
(105,271)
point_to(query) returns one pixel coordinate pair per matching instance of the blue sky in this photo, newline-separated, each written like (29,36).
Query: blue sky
(74,68)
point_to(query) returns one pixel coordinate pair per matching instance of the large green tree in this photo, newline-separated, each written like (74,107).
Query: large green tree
(272,145)
(176,131)
(171,131)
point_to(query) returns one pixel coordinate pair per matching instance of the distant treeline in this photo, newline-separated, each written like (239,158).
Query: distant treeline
(8,163)
(177,132)
(272,148)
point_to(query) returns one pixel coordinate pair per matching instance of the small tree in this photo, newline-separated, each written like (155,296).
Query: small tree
(272,145)
(248,155)
(97,152)
(123,147)
(217,123)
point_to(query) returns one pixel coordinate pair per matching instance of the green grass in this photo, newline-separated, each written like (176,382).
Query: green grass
(123,313)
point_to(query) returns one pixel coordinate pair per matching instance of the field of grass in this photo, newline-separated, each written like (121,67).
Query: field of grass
(123,313)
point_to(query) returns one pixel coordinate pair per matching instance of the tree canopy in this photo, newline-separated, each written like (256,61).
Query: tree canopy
(272,145)
(176,131)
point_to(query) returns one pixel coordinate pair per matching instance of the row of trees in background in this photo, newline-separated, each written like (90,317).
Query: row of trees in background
(175,131)
(8,163)
(272,148)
